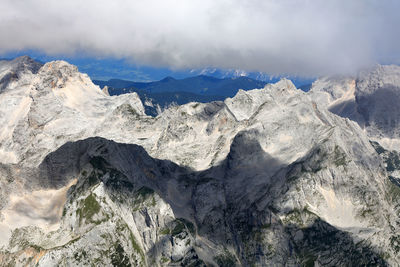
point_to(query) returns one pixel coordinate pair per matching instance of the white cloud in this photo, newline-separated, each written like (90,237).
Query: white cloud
(304,37)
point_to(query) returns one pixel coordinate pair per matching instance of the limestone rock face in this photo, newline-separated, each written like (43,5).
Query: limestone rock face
(41,111)
(105,90)
(11,71)
(371,99)
(270,177)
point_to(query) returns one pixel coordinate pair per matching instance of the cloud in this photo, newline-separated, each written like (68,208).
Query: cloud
(303,37)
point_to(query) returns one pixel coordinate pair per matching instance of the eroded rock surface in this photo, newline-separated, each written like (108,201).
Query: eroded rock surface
(269,177)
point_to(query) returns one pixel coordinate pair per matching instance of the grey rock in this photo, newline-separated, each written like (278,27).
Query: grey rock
(268,177)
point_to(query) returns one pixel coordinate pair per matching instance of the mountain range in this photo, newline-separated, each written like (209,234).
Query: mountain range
(169,91)
(202,85)
(273,176)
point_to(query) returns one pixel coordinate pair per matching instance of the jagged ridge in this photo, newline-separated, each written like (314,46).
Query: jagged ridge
(275,183)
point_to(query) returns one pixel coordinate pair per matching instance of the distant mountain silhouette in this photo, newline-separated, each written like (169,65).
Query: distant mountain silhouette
(200,85)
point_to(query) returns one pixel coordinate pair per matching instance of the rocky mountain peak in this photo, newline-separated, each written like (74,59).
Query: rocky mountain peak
(371,99)
(381,77)
(246,103)
(105,90)
(13,70)
(57,101)
(22,63)
(283,86)
(56,74)
(59,66)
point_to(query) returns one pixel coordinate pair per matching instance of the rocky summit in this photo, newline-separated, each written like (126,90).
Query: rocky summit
(270,177)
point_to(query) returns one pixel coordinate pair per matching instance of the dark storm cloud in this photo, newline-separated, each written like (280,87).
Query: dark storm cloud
(308,37)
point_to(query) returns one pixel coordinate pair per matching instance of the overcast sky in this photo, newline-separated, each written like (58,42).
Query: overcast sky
(303,37)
